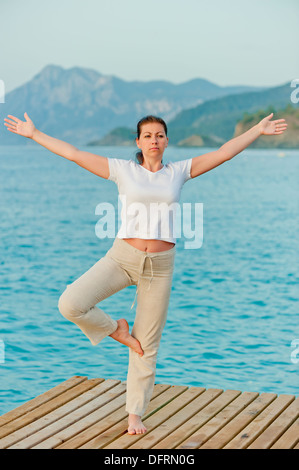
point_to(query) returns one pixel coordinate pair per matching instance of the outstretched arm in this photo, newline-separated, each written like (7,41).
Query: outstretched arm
(208,161)
(91,162)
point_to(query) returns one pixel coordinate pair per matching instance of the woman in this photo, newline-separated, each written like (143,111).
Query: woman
(139,256)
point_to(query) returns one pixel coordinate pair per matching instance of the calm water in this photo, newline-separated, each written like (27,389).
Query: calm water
(233,312)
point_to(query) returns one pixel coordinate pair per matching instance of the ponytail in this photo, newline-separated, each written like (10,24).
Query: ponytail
(139,157)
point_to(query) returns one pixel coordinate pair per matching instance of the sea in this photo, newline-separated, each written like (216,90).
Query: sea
(233,313)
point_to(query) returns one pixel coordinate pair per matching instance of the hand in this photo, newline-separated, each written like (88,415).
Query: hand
(268,127)
(24,128)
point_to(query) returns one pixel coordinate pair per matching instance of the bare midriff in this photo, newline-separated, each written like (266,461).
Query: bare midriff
(149,245)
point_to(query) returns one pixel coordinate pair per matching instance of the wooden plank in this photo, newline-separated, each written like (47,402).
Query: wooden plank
(112,421)
(260,423)
(199,419)
(13,429)
(175,422)
(82,413)
(40,399)
(86,423)
(67,414)
(102,439)
(222,437)
(44,437)
(277,428)
(159,417)
(216,423)
(289,439)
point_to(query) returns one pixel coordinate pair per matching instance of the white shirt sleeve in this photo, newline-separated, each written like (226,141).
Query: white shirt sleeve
(115,166)
(184,167)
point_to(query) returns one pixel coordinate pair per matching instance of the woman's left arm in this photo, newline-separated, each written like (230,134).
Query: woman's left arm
(208,161)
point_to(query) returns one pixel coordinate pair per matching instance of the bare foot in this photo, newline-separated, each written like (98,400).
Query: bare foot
(135,425)
(123,336)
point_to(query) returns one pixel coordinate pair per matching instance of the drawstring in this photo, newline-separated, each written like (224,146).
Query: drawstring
(141,269)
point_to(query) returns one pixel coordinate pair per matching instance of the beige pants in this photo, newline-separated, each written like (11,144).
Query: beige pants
(122,266)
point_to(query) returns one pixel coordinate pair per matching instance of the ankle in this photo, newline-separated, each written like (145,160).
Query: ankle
(116,331)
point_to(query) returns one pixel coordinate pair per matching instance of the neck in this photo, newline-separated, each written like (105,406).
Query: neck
(152,164)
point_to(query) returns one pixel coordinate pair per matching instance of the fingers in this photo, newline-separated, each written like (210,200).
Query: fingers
(14,118)
(11,129)
(279,120)
(281,127)
(12,123)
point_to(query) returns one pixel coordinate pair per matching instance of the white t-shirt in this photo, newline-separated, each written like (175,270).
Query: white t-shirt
(150,200)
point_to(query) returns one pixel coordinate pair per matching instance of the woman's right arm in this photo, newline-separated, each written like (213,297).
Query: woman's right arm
(91,162)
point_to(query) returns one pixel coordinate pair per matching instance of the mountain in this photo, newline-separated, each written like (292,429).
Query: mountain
(81,105)
(120,136)
(123,136)
(214,122)
(218,117)
(289,139)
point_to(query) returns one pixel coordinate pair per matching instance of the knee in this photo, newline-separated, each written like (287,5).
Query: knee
(67,306)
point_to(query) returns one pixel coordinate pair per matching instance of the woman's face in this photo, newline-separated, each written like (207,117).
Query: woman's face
(153,140)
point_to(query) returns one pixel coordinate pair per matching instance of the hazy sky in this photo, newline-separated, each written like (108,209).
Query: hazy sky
(229,42)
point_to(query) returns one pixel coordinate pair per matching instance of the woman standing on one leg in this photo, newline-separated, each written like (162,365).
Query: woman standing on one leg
(142,256)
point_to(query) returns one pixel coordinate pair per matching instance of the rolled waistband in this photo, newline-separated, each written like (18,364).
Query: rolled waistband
(149,254)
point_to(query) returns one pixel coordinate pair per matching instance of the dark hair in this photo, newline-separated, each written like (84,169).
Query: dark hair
(145,120)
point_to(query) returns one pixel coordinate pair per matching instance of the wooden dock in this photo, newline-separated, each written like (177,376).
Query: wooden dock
(83,413)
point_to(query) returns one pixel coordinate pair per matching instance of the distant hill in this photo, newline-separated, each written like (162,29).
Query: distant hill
(218,117)
(289,139)
(200,141)
(217,121)
(81,105)
(121,136)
